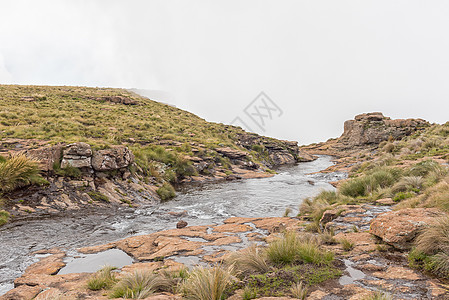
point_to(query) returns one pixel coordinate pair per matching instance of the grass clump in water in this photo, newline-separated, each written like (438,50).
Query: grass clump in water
(4,217)
(166,191)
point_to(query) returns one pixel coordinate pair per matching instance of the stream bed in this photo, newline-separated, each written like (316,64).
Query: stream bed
(204,204)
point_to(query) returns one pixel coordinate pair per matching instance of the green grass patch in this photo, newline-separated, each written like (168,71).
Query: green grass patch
(4,217)
(97,196)
(166,192)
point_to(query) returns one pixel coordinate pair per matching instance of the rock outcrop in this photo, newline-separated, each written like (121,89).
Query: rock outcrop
(118,157)
(373,128)
(364,134)
(78,155)
(399,228)
(119,100)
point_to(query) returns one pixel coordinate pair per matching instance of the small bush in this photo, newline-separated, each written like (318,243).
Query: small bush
(97,196)
(138,285)
(4,217)
(17,171)
(249,260)
(299,290)
(102,279)
(207,283)
(166,192)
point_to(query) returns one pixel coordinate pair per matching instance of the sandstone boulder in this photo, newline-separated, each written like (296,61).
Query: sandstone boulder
(77,155)
(114,158)
(399,228)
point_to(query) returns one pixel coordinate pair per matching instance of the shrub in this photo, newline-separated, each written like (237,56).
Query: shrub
(299,290)
(17,171)
(166,192)
(249,260)
(138,285)
(102,279)
(4,217)
(207,283)
(97,196)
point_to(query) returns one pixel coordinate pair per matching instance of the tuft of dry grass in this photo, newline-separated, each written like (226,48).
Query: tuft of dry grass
(250,260)
(207,283)
(17,171)
(346,244)
(299,290)
(434,238)
(138,285)
(102,279)
(291,248)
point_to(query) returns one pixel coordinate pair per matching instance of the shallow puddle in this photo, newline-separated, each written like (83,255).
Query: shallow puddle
(93,262)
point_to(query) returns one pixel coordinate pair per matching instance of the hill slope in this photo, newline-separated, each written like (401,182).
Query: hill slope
(111,145)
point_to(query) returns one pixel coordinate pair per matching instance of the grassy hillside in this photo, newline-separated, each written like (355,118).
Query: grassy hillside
(69,114)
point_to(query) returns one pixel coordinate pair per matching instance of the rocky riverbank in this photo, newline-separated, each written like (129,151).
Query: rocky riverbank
(380,235)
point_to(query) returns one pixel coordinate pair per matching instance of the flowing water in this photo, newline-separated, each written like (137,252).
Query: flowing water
(204,204)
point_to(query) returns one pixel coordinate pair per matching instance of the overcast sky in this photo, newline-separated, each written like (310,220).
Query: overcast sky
(320,62)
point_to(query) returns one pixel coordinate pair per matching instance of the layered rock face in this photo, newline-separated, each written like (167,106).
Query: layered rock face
(279,152)
(373,128)
(80,155)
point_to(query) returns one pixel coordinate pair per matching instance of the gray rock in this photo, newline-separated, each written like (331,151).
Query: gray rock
(114,158)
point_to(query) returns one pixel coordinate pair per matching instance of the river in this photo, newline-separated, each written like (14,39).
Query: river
(204,204)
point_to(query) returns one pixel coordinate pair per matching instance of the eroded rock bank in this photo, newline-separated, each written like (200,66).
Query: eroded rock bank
(80,176)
